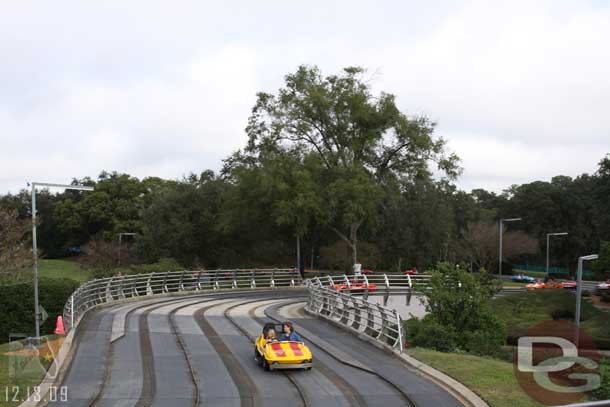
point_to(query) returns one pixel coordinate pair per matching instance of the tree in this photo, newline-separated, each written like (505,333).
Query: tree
(459,312)
(363,143)
(15,254)
(181,222)
(481,244)
(602,265)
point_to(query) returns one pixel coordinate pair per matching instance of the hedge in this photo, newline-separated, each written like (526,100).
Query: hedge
(17,305)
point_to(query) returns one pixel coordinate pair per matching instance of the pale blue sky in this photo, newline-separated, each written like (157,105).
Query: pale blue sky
(520,89)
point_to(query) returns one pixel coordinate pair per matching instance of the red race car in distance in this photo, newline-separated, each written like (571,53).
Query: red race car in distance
(410,272)
(355,286)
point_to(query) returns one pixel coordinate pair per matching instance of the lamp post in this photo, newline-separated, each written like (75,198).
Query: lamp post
(548,242)
(501,233)
(34,245)
(581,260)
(121,238)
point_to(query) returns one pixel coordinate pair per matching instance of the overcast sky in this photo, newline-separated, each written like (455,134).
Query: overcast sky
(520,89)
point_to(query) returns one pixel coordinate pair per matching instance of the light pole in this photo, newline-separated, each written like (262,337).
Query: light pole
(501,233)
(120,239)
(34,246)
(579,291)
(548,242)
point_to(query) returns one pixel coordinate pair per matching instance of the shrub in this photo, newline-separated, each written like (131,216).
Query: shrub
(605,296)
(17,302)
(163,265)
(459,313)
(433,335)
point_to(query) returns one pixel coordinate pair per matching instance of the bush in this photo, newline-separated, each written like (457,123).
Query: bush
(488,338)
(605,296)
(163,265)
(460,316)
(586,293)
(430,334)
(603,392)
(17,303)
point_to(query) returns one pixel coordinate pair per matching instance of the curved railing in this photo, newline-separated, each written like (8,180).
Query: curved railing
(112,289)
(384,284)
(355,312)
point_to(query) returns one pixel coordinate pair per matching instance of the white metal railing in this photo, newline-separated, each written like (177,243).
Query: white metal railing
(111,289)
(384,284)
(356,312)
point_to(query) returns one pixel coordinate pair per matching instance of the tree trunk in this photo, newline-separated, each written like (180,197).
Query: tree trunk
(352,240)
(353,235)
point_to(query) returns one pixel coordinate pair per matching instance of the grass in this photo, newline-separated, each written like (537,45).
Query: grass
(63,269)
(492,379)
(513,284)
(524,310)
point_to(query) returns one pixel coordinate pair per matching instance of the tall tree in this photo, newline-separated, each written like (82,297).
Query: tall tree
(363,142)
(15,252)
(480,244)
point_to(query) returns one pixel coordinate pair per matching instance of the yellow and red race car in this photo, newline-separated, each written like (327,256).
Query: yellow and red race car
(274,355)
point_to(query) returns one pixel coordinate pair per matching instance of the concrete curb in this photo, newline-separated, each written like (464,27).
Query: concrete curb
(446,382)
(63,357)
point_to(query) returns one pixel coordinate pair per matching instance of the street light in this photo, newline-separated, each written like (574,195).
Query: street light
(121,238)
(35,248)
(501,233)
(548,242)
(581,260)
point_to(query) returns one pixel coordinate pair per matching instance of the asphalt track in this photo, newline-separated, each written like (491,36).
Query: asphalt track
(198,351)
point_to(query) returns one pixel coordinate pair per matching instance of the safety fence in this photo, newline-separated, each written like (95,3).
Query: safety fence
(354,312)
(112,289)
(379,284)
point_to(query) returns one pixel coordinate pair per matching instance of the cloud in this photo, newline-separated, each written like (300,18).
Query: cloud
(519,88)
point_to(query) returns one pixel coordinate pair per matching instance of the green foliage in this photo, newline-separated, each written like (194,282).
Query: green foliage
(17,301)
(15,252)
(182,222)
(460,316)
(363,145)
(601,267)
(521,311)
(163,265)
(428,333)
(603,391)
(327,159)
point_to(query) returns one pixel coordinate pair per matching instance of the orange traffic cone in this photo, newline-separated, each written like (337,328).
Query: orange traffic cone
(59,326)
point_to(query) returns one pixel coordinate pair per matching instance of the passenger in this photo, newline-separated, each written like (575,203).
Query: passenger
(289,334)
(271,336)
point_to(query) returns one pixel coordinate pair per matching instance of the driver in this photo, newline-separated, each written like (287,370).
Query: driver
(289,334)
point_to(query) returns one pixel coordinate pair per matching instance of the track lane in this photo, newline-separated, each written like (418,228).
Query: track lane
(408,380)
(251,336)
(216,386)
(257,388)
(373,388)
(175,324)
